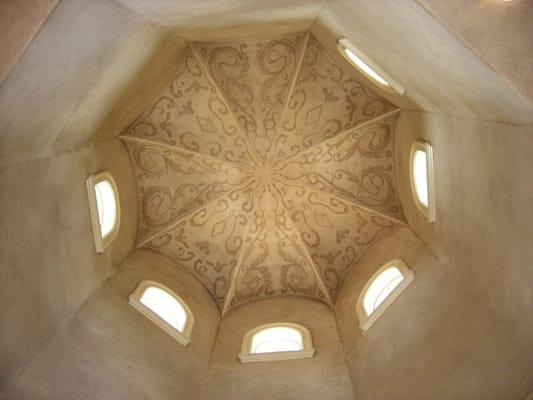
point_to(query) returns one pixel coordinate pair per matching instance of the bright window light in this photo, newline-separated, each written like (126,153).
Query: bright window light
(276,342)
(165,306)
(367,67)
(387,283)
(107,206)
(420,176)
(165,309)
(422,185)
(277,339)
(381,287)
(104,207)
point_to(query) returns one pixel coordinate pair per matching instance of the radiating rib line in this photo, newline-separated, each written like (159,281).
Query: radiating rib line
(351,201)
(289,94)
(340,136)
(212,80)
(301,245)
(235,272)
(187,214)
(246,168)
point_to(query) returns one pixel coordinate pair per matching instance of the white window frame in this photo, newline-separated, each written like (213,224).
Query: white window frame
(184,337)
(429,211)
(246,355)
(365,320)
(392,85)
(101,242)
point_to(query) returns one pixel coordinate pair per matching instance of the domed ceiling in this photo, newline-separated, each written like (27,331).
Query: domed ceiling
(265,168)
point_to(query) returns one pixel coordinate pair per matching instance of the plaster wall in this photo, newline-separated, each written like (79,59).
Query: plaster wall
(483,199)
(500,33)
(438,72)
(323,377)
(111,351)
(19,22)
(49,265)
(436,341)
(79,79)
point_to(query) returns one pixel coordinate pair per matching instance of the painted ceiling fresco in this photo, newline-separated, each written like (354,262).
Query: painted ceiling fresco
(265,168)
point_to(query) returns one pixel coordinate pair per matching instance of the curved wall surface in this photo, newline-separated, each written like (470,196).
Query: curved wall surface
(48,258)
(436,341)
(483,201)
(324,376)
(111,351)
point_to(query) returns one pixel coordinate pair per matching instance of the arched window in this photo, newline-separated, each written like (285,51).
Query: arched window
(279,341)
(105,209)
(381,290)
(165,308)
(367,67)
(421,172)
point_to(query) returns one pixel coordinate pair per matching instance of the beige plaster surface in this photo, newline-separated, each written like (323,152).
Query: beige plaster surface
(501,34)
(438,72)
(483,202)
(324,376)
(19,22)
(79,78)
(111,351)
(461,330)
(437,340)
(49,265)
(192,17)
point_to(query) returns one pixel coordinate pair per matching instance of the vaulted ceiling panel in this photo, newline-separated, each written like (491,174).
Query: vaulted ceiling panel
(274,261)
(208,241)
(265,168)
(356,165)
(173,183)
(334,231)
(255,79)
(192,115)
(326,101)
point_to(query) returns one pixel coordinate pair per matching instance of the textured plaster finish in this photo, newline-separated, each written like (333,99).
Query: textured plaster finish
(190,16)
(111,351)
(501,34)
(483,201)
(49,265)
(437,71)
(19,22)
(323,377)
(79,77)
(436,341)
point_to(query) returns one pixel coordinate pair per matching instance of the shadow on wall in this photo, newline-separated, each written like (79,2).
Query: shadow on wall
(111,351)
(437,340)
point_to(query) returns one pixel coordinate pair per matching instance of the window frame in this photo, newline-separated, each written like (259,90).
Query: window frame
(429,211)
(367,320)
(185,337)
(102,242)
(392,86)
(246,355)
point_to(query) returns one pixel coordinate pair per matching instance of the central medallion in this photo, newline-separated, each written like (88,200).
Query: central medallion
(263,175)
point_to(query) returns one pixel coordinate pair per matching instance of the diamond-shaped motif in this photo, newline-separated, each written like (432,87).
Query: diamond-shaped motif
(206,125)
(282,160)
(313,115)
(218,228)
(323,220)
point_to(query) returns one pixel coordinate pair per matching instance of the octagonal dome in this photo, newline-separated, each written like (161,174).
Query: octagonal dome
(265,168)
